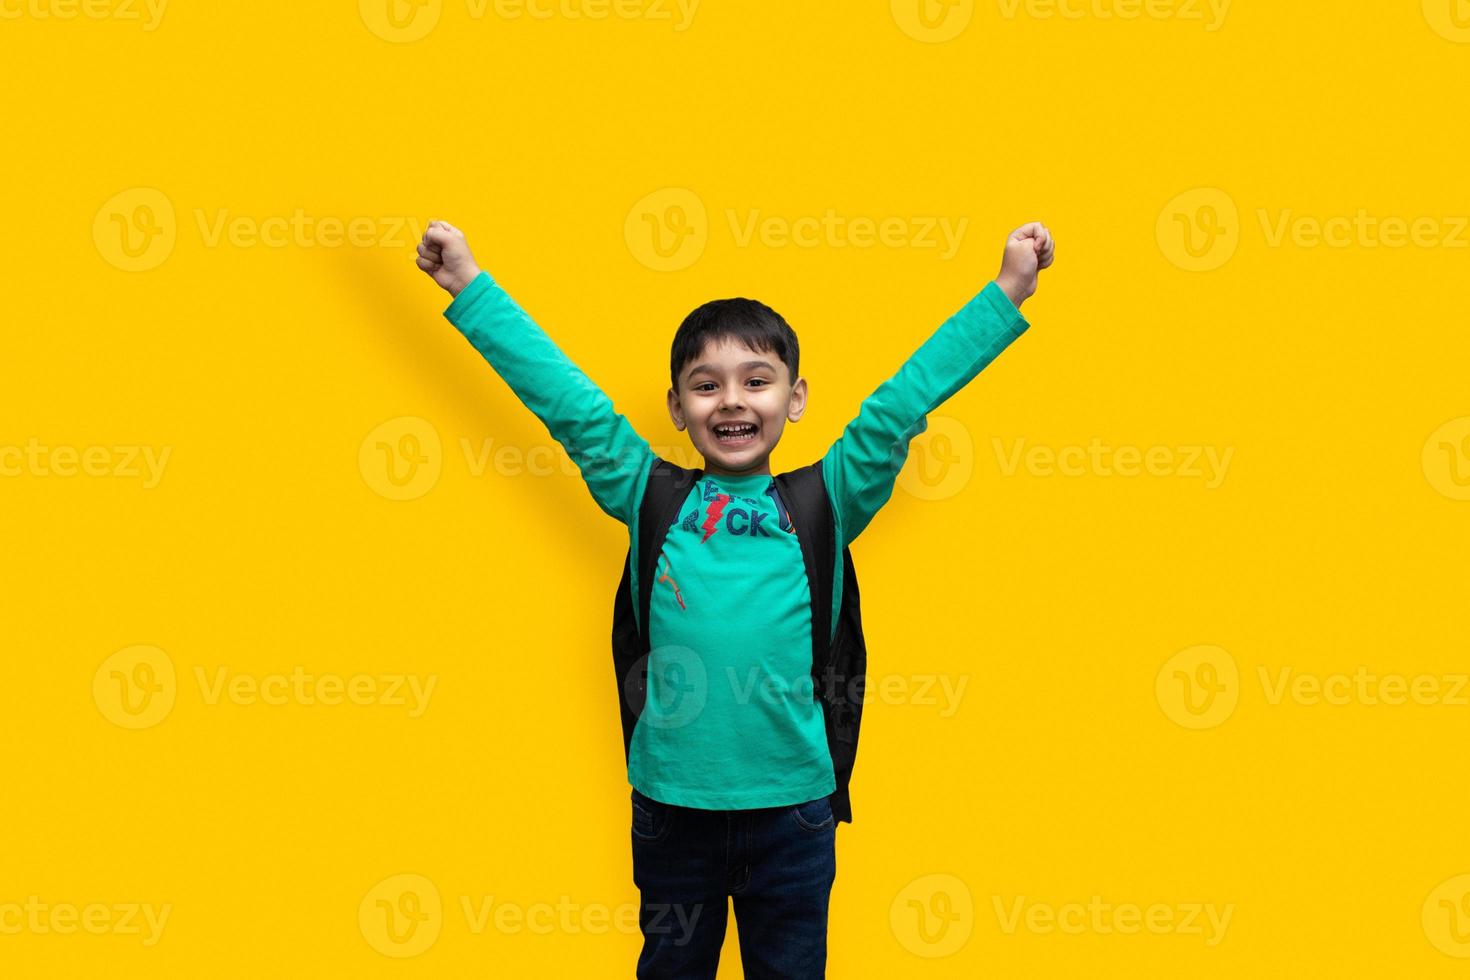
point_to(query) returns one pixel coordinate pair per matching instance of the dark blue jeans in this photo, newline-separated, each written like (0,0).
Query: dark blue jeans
(777,863)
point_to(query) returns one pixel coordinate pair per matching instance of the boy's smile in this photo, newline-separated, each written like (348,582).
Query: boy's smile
(735,403)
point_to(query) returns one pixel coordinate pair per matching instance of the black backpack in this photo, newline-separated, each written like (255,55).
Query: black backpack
(838,668)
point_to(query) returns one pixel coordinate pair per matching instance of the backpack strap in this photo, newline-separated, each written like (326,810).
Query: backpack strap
(667,489)
(805,495)
(663,494)
(839,657)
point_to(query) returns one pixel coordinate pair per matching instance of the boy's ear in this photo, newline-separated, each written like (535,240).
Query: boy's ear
(674,411)
(797,405)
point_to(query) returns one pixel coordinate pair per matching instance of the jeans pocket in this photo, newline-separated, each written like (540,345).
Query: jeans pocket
(814,815)
(651,819)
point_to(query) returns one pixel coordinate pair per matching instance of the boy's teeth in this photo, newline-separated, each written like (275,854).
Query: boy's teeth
(735,432)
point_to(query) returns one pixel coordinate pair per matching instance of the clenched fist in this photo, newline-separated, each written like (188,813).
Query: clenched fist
(1028,251)
(445,256)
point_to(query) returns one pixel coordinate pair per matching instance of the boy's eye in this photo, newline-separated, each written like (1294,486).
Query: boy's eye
(710,384)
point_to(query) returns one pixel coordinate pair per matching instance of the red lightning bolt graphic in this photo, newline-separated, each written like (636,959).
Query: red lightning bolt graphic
(714,510)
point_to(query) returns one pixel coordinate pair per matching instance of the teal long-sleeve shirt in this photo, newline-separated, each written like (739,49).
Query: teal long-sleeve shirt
(728,723)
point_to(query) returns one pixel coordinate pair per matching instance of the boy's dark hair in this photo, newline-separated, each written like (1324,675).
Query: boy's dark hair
(748,321)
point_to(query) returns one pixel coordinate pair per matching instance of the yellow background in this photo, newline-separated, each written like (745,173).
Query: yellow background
(1336,538)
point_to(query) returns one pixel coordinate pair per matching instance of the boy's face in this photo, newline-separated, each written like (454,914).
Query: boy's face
(729,383)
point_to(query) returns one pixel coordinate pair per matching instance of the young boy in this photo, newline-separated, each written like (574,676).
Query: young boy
(731,790)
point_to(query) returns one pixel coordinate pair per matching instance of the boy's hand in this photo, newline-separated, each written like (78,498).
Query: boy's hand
(1028,251)
(445,256)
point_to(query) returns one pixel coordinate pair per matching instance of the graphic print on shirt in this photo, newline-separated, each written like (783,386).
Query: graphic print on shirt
(713,512)
(722,511)
(666,577)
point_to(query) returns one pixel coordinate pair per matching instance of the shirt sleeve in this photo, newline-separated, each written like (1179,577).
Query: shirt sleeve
(613,458)
(862,466)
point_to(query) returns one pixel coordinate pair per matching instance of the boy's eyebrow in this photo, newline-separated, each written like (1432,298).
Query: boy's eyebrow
(710,368)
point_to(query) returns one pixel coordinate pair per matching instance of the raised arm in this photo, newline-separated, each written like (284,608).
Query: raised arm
(861,467)
(613,458)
